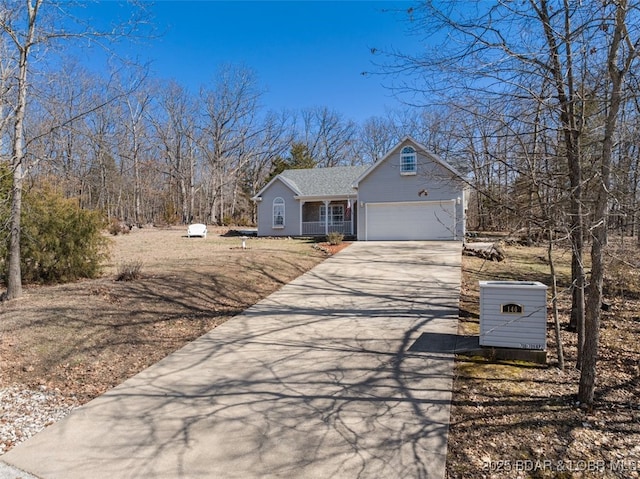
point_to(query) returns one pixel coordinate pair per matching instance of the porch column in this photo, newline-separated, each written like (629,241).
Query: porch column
(326,216)
(350,207)
(301,218)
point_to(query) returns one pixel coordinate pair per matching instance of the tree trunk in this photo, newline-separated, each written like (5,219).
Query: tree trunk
(184,200)
(564,84)
(554,301)
(192,187)
(586,387)
(137,194)
(617,73)
(14,277)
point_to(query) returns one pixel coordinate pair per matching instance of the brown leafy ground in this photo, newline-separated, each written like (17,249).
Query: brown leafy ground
(520,420)
(85,338)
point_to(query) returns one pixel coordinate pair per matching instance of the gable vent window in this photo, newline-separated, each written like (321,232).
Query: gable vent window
(278,212)
(408,162)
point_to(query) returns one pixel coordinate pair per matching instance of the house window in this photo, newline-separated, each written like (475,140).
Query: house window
(278,213)
(336,214)
(408,163)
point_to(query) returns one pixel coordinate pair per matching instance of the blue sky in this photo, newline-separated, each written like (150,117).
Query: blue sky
(305,53)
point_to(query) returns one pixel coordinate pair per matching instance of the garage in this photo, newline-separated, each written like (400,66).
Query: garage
(418,220)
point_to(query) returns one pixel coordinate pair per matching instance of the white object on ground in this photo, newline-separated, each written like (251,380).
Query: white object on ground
(197,229)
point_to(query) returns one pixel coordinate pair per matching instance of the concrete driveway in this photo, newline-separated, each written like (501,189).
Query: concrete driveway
(346,372)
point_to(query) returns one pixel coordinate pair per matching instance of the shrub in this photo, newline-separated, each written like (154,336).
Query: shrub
(117,227)
(129,271)
(5,195)
(170,213)
(335,238)
(243,221)
(59,241)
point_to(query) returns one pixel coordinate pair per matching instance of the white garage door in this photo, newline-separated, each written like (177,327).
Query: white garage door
(424,220)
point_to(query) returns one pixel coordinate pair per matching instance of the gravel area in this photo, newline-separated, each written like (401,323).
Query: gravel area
(24,412)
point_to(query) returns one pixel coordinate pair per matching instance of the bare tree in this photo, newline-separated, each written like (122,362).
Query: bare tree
(376,138)
(58,147)
(24,26)
(569,58)
(625,172)
(24,42)
(328,136)
(623,43)
(231,107)
(7,73)
(104,178)
(135,145)
(173,122)
(272,142)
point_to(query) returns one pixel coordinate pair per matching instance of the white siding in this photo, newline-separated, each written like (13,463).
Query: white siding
(526,330)
(385,183)
(291,211)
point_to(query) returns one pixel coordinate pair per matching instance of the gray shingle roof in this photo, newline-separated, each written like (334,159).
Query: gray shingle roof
(336,181)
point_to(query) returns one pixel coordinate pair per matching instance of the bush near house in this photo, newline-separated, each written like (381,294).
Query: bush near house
(335,238)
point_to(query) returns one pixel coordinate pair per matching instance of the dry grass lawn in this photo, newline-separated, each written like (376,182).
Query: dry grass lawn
(86,337)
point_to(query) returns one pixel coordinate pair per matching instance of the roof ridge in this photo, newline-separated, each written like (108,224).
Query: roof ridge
(324,181)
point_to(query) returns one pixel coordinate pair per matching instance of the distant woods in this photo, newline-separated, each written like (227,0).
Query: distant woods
(148,151)
(144,150)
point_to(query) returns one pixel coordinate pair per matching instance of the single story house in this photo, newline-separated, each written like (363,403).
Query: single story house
(409,194)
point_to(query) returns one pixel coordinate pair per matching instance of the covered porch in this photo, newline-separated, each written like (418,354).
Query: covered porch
(322,217)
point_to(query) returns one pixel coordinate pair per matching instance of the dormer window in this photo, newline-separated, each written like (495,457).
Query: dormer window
(408,161)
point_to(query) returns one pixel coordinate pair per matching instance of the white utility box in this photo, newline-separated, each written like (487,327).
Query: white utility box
(513,314)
